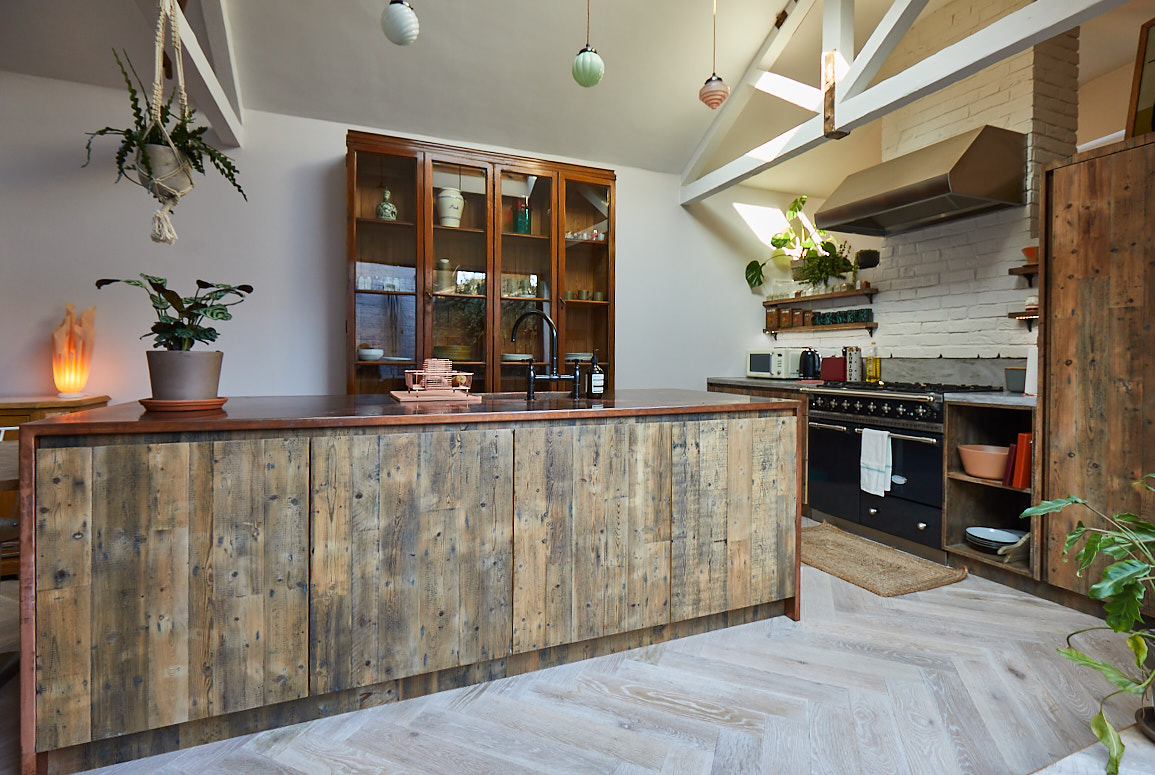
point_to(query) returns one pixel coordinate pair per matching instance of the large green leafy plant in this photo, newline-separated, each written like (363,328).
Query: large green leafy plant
(185,137)
(1129,541)
(179,318)
(820,257)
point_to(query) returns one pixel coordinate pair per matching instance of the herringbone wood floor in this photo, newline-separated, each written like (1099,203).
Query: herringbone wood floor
(961,679)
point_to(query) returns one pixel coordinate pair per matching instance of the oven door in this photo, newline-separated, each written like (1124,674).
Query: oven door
(917,473)
(833,449)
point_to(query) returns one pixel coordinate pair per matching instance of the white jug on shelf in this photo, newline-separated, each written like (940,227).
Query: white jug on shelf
(450,205)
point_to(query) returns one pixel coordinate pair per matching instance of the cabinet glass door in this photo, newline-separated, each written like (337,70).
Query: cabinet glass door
(587,274)
(525,274)
(458,269)
(384,275)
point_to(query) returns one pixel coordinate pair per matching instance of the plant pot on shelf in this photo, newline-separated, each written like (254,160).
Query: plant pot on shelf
(450,205)
(171,173)
(184,375)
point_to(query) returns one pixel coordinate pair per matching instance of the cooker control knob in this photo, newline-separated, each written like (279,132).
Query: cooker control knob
(900,411)
(858,406)
(922,411)
(845,404)
(886,408)
(870,407)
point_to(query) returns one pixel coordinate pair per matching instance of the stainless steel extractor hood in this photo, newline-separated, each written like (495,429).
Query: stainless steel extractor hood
(972,173)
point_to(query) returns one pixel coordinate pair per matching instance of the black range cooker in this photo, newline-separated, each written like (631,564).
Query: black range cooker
(913,414)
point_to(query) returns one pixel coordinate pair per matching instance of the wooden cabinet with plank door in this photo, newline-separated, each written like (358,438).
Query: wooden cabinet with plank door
(1096,376)
(171,584)
(734,500)
(411,537)
(587,269)
(591,531)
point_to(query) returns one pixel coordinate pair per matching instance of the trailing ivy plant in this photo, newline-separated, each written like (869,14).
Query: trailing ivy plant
(1129,541)
(178,325)
(185,137)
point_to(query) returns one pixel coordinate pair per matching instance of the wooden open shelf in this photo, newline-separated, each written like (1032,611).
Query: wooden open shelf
(519,235)
(832,327)
(971,553)
(1029,271)
(959,476)
(867,292)
(383,222)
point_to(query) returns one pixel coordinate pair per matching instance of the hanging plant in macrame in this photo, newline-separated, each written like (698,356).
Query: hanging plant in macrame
(152,154)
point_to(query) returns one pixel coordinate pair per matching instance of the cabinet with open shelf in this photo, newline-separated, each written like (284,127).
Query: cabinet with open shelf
(970,501)
(424,285)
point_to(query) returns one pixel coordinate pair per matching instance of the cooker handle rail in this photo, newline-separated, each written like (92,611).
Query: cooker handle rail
(904,437)
(825,426)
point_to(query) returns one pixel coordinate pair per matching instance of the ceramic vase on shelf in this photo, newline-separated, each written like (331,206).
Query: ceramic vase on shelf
(386,210)
(450,205)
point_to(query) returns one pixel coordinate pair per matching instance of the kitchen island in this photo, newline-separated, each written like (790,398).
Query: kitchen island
(188,577)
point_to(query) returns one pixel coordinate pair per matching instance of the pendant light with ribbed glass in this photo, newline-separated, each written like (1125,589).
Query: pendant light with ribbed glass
(399,22)
(715,91)
(588,68)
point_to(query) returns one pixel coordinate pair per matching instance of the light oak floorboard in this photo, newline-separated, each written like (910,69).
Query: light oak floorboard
(960,679)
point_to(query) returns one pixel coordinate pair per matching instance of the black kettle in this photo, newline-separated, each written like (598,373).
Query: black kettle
(810,364)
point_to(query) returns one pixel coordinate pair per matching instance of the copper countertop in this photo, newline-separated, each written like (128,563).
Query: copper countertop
(282,412)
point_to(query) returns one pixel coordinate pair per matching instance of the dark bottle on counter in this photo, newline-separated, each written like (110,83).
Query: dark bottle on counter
(596,380)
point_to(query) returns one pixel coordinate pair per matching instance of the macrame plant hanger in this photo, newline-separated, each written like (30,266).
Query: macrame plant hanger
(167,182)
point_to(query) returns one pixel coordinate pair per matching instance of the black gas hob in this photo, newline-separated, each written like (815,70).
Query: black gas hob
(916,405)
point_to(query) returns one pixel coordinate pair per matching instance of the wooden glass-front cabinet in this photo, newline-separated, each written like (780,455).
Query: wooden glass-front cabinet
(447,247)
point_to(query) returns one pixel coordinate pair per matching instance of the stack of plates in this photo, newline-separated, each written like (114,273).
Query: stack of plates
(516,357)
(583,357)
(991,539)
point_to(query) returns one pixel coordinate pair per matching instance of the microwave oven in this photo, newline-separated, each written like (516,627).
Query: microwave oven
(779,363)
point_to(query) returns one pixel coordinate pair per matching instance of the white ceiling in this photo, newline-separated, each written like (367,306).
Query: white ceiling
(488,71)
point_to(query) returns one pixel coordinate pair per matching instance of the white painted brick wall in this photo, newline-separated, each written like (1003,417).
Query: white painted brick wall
(945,290)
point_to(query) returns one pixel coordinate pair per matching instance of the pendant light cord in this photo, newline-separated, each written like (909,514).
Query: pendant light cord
(714,51)
(588,22)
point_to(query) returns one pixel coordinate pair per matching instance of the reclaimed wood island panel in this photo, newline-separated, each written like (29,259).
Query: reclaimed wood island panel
(187,578)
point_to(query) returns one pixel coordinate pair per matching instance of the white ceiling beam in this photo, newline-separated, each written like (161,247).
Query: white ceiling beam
(837,51)
(1005,37)
(795,92)
(744,89)
(838,27)
(880,45)
(204,90)
(219,32)
(785,146)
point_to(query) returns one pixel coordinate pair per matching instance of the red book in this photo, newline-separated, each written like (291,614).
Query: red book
(1022,475)
(1010,469)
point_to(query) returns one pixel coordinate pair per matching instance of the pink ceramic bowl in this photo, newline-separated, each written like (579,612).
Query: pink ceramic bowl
(983,460)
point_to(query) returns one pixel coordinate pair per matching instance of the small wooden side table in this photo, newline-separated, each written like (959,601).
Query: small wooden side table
(14,411)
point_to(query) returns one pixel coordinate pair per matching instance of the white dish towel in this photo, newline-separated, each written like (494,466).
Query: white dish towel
(876,462)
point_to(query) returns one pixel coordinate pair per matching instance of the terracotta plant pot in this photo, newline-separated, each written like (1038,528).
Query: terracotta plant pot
(184,375)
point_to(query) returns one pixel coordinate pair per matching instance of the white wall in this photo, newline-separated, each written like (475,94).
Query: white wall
(684,311)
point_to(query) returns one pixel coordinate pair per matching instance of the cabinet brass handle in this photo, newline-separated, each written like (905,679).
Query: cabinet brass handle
(872,512)
(921,526)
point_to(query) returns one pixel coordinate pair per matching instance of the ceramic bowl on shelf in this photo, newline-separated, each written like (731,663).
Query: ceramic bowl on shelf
(370,353)
(578,357)
(516,357)
(984,461)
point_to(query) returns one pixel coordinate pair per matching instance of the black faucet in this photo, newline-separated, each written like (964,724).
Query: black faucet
(552,375)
